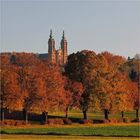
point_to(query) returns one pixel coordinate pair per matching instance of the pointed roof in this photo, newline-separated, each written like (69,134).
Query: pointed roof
(63,37)
(51,33)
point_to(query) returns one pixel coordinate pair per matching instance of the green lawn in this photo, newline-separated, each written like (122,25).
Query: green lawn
(75,131)
(94,115)
(130,130)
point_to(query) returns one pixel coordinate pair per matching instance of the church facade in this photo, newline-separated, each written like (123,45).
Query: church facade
(56,56)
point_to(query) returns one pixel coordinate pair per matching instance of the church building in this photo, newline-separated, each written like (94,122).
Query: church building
(56,56)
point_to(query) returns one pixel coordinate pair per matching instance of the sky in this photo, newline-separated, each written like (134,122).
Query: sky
(101,25)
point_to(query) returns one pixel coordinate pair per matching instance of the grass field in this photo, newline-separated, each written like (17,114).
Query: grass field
(116,131)
(91,130)
(94,115)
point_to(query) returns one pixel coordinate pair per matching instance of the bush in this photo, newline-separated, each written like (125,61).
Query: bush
(106,121)
(20,123)
(55,121)
(1,123)
(98,121)
(12,122)
(67,121)
(113,120)
(136,120)
(85,121)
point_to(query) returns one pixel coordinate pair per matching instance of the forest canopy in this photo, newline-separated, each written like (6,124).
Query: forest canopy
(88,82)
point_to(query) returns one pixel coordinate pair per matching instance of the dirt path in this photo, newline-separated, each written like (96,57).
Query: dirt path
(45,137)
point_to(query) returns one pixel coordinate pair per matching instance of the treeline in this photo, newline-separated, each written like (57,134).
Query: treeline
(89,82)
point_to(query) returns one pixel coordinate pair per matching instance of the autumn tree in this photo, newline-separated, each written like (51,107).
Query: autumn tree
(101,87)
(73,91)
(46,90)
(11,98)
(122,93)
(82,67)
(26,62)
(132,68)
(115,61)
(24,59)
(135,97)
(114,85)
(92,81)
(23,79)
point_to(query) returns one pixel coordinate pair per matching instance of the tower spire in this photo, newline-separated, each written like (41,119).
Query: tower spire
(50,33)
(63,37)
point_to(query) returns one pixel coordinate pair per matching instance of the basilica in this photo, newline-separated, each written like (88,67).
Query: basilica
(56,56)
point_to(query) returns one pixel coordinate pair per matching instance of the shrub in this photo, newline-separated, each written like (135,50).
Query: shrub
(98,121)
(1,123)
(13,122)
(20,123)
(55,121)
(67,121)
(85,121)
(9,122)
(113,120)
(106,121)
(136,120)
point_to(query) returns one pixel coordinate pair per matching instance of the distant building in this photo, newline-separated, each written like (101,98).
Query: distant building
(137,56)
(56,56)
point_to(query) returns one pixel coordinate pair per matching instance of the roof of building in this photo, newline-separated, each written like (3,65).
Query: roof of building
(43,56)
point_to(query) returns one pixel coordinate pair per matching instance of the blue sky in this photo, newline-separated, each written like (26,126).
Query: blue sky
(94,25)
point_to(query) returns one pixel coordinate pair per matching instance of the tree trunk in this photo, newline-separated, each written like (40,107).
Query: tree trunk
(2,114)
(85,114)
(137,113)
(106,114)
(122,114)
(25,116)
(26,119)
(66,112)
(44,117)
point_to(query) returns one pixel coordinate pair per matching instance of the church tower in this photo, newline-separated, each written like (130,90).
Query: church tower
(51,49)
(64,49)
